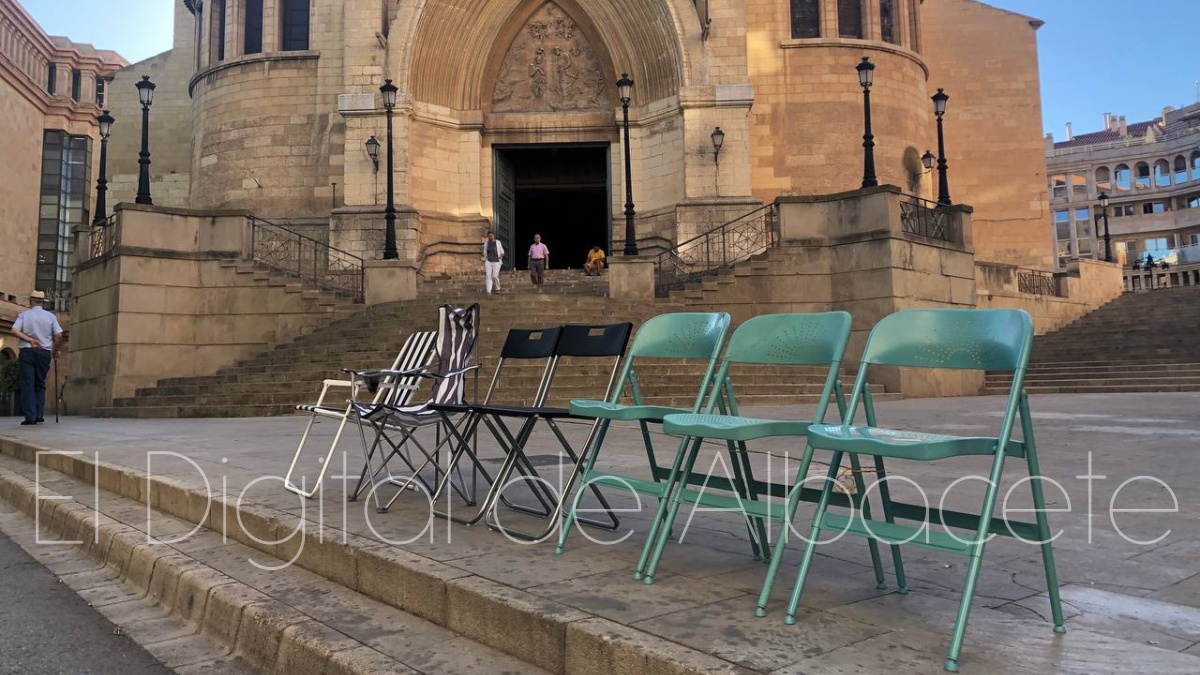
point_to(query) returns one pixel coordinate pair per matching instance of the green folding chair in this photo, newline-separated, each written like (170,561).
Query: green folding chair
(958,339)
(778,340)
(682,335)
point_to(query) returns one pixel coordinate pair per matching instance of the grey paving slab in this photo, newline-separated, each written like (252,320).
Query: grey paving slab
(1090,445)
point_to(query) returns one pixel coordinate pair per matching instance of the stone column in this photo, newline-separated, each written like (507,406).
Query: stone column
(390,281)
(631,278)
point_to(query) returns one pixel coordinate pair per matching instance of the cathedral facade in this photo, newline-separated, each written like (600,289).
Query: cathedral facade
(509,117)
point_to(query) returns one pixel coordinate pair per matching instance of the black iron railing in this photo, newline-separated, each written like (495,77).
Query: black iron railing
(928,219)
(715,250)
(1037,282)
(313,262)
(104,238)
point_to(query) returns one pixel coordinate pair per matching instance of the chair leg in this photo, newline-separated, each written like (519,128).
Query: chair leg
(664,499)
(815,532)
(593,451)
(863,504)
(1043,523)
(676,500)
(793,504)
(743,482)
(885,496)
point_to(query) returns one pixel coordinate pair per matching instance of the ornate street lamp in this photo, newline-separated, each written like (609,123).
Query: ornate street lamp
(927,160)
(718,140)
(146,94)
(625,92)
(106,122)
(1107,239)
(866,77)
(389,240)
(373,151)
(939,109)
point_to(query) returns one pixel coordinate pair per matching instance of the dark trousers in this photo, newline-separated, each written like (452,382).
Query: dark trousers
(34,366)
(537,270)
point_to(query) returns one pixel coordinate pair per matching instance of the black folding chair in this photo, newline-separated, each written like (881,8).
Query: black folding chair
(522,344)
(605,341)
(458,333)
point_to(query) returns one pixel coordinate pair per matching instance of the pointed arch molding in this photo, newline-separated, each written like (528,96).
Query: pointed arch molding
(457,51)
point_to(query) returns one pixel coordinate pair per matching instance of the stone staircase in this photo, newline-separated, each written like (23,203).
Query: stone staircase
(557,282)
(272,383)
(1140,342)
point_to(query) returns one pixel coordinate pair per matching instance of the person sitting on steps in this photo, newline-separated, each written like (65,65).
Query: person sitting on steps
(595,262)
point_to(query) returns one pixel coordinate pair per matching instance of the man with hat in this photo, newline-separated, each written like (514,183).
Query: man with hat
(39,339)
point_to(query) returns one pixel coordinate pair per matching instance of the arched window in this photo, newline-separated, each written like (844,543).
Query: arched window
(850,18)
(1141,176)
(295,25)
(1104,179)
(889,21)
(1122,179)
(1162,174)
(254,27)
(806,19)
(1181,174)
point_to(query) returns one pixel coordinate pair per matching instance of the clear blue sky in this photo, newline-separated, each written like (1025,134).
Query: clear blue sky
(1097,56)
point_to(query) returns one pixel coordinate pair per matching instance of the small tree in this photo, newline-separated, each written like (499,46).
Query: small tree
(9,376)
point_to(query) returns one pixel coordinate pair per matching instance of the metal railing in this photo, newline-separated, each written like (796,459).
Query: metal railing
(928,219)
(1038,282)
(311,261)
(715,250)
(104,238)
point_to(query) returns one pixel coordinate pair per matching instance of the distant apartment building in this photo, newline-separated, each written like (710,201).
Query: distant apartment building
(51,92)
(1151,173)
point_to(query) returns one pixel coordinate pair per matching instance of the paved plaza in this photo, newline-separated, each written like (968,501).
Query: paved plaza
(1125,469)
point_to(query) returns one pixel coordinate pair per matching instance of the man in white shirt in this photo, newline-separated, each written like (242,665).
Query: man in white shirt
(493,259)
(39,338)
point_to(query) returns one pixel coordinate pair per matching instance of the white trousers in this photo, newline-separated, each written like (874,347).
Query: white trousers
(491,273)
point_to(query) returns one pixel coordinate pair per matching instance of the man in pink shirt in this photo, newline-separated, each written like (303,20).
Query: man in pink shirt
(539,260)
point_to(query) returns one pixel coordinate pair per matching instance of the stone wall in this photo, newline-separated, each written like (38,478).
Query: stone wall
(987,61)
(21,153)
(167,302)
(1084,287)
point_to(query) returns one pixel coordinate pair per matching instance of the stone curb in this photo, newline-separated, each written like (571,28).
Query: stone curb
(553,636)
(268,635)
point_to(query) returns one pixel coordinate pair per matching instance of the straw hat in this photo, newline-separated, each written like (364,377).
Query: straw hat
(37,295)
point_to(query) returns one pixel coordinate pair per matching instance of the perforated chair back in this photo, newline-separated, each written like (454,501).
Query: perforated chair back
(960,339)
(679,335)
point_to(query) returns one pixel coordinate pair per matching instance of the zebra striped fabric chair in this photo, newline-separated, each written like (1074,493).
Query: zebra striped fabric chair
(417,353)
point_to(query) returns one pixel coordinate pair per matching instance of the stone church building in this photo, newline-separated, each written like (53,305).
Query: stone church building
(508,116)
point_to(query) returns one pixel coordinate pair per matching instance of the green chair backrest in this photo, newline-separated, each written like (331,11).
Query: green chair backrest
(817,339)
(962,339)
(679,335)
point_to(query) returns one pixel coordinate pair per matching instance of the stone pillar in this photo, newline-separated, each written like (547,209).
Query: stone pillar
(629,278)
(391,281)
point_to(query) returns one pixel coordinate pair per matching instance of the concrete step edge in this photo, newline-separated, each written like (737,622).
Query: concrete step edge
(560,639)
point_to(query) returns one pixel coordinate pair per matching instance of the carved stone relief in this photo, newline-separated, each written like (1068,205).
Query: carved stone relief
(550,66)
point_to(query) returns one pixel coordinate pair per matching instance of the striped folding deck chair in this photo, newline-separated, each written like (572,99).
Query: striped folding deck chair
(417,353)
(396,425)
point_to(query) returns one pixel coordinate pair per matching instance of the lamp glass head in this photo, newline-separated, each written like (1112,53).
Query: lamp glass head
(106,122)
(866,72)
(145,90)
(718,139)
(927,160)
(389,94)
(1104,200)
(373,148)
(625,88)
(939,102)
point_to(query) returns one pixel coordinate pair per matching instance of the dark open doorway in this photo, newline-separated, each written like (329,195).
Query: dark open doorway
(558,191)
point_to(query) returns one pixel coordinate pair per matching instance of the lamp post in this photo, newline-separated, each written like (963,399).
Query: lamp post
(389,239)
(866,77)
(373,151)
(106,122)
(718,140)
(1107,238)
(939,109)
(625,92)
(146,94)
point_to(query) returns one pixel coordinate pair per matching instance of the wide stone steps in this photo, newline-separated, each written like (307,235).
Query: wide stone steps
(1140,342)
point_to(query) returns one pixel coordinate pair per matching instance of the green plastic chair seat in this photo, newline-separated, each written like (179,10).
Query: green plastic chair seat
(731,427)
(621,412)
(902,444)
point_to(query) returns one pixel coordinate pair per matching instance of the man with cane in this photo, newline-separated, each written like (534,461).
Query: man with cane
(39,339)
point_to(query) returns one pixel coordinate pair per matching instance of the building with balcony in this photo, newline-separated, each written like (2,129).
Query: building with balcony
(1150,172)
(51,92)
